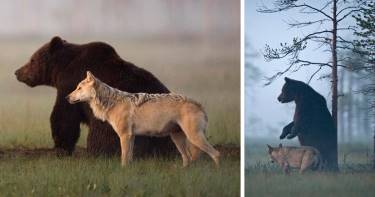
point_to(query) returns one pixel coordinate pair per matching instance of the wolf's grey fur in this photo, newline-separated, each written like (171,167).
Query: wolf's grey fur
(304,157)
(105,97)
(147,114)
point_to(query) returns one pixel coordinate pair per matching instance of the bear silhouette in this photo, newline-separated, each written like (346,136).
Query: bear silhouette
(312,121)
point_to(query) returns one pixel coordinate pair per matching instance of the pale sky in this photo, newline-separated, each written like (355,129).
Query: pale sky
(260,101)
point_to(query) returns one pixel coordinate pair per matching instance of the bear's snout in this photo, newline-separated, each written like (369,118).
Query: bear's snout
(24,75)
(19,75)
(280,99)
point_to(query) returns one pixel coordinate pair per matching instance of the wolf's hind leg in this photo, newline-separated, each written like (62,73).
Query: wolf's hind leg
(194,151)
(199,140)
(307,161)
(179,139)
(193,125)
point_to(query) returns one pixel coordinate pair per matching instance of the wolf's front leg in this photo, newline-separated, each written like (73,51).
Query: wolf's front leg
(285,167)
(127,143)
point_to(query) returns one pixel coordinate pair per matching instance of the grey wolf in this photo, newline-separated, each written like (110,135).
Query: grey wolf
(183,119)
(304,157)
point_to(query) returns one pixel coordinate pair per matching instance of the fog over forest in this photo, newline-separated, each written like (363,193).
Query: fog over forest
(264,115)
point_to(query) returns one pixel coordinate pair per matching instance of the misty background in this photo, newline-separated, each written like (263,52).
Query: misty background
(193,47)
(264,115)
(130,18)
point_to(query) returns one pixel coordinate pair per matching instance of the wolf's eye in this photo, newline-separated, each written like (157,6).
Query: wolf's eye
(79,88)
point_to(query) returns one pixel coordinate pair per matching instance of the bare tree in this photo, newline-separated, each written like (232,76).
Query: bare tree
(328,37)
(252,76)
(328,19)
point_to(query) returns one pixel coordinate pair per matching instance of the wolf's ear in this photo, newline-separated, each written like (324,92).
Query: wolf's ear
(270,149)
(89,76)
(55,44)
(280,145)
(287,79)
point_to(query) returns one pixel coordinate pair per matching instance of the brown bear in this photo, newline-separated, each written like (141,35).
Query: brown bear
(312,121)
(63,65)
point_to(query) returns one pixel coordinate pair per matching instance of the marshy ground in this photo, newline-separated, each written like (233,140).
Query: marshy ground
(206,71)
(356,176)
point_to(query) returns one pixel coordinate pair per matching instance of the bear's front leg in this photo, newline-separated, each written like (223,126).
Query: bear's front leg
(297,128)
(286,130)
(102,139)
(65,125)
(293,133)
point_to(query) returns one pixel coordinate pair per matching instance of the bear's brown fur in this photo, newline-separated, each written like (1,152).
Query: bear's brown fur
(312,121)
(63,65)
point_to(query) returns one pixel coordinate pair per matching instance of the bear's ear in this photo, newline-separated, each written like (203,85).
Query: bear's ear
(56,43)
(280,145)
(287,79)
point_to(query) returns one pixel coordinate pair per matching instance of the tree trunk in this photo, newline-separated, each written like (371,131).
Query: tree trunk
(350,103)
(366,120)
(373,156)
(334,73)
(358,115)
(341,103)
(334,64)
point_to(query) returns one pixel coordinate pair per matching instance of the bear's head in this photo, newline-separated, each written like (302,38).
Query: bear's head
(38,70)
(290,90)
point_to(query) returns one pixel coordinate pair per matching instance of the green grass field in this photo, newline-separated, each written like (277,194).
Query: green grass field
(201,70)
(356,178)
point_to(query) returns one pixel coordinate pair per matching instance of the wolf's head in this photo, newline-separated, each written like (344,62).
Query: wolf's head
(85,90)
(274,152)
